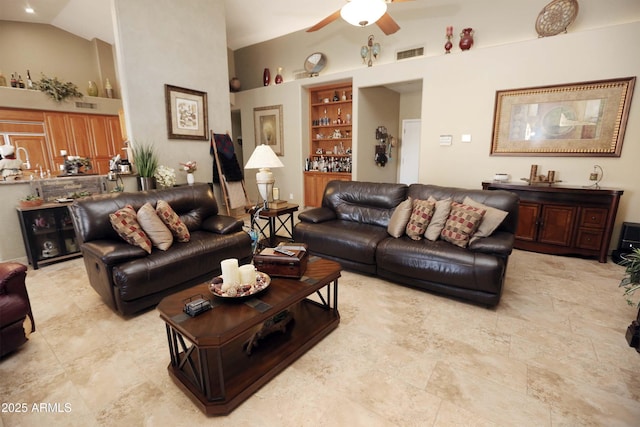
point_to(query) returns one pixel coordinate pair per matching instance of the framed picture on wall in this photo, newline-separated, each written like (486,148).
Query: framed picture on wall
(186,113)
(577,119)
(268,127)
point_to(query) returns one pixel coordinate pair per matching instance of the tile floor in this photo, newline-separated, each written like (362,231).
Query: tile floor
(553,353)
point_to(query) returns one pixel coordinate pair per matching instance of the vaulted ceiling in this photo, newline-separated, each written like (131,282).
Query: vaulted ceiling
(248,21)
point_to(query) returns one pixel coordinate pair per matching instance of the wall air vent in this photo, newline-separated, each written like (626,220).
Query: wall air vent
(89,105)
(409,53)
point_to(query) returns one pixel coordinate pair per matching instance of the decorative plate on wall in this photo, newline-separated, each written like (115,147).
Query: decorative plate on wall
(556,17)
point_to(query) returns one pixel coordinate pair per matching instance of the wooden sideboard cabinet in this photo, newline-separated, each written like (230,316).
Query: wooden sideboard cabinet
(564,220)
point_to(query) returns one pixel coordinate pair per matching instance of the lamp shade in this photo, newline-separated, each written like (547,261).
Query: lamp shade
(263,157)
(363,12)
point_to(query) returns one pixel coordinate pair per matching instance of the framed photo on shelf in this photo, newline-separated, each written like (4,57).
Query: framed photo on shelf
(576,119)
(268,127)
(186,113)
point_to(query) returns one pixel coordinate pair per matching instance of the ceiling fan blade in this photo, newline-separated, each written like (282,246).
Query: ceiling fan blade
(326,21)
(387,24)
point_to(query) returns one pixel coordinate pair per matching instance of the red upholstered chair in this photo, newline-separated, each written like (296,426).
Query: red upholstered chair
(14,307)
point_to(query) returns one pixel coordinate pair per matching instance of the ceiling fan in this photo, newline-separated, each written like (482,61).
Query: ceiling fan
(362,13)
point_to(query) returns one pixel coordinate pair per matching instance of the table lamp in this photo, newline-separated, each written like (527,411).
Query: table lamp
(263,158)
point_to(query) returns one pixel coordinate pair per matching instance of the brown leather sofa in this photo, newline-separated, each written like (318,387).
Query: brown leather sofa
(351,228)
(16,318)
(129,279)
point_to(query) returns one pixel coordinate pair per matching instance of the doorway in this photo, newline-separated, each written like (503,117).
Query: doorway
(408,167)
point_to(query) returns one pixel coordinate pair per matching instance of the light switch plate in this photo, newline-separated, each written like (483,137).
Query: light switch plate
(446,139)
(466,137)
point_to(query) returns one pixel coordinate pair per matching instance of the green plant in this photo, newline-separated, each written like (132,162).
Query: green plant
(31,197)
(57,90)
(631,280)
(145,159)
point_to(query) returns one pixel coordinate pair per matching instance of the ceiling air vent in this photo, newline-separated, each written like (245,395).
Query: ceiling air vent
(409,53)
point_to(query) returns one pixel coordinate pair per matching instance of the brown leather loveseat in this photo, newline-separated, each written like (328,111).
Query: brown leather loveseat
(128,278)
(351,228)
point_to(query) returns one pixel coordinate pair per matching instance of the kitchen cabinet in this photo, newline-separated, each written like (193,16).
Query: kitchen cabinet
(36,147)
(48,234)
(95,136)
(564,220)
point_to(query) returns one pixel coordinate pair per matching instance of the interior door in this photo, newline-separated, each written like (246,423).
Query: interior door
(409,152)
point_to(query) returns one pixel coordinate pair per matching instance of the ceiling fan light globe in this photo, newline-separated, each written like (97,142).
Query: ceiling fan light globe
(362,13)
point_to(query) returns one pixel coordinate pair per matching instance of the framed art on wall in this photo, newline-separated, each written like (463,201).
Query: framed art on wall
(268,127)
(186,113)
(577,119)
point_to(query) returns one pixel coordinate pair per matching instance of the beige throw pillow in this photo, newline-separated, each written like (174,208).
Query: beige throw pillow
(125,222)
(159,234)
(399,218)
(463,221)
(492,218)
(420,217)
(440,215)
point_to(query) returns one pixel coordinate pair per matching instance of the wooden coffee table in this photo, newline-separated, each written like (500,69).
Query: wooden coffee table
(220,358)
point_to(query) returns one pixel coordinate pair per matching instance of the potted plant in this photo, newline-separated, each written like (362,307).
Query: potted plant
(31,200)
(146,162)
(631,283)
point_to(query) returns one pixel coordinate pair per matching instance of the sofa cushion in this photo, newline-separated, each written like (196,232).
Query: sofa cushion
(172,220)
(490,221)
(124,222)
(439,263)
(400,217)
(348,240)
(364,202)
(158,233)
(194,262)
(420,217)
(462,222)
(439,218)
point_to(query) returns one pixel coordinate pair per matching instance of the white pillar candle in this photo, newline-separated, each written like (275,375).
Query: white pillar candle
(230,271)
(276,193)
(248,274)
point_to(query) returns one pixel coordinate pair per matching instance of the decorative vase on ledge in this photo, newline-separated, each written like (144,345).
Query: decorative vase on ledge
(190,179)
(266,77)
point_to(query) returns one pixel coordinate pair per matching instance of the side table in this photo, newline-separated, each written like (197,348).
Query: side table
(277,219)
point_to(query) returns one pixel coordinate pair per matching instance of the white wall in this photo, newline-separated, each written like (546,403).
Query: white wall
(378,106)
(162,42)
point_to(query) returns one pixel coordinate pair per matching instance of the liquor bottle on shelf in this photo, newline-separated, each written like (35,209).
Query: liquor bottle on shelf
(344,95)
(335,96)
(20,82)
(29,81)
(339,119)
(14,81)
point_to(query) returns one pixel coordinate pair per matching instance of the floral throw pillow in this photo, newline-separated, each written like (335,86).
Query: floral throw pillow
(125,222)
(419,219)
(462,222)
(172,221)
